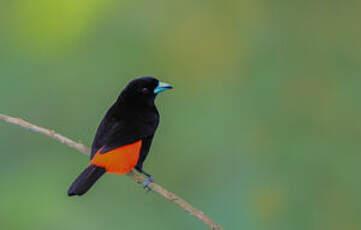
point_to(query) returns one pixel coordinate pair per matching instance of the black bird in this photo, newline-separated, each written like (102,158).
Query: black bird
(124,136)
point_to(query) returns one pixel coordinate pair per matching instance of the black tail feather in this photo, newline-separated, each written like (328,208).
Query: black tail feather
(85,180)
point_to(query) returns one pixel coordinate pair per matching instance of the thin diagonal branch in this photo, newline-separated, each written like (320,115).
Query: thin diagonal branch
(211,224)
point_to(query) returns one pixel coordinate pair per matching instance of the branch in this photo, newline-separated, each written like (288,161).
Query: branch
(211,224)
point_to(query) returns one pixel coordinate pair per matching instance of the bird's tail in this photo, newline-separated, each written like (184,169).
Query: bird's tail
(85,180)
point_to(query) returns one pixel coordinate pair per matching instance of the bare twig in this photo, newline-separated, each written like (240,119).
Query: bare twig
(136,177)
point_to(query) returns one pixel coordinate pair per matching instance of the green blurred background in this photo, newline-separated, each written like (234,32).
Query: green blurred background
(262,130)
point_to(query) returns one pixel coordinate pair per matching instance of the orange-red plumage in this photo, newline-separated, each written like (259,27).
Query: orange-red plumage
(120,160)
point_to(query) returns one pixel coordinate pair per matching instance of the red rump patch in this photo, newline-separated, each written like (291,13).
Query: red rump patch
(120,160)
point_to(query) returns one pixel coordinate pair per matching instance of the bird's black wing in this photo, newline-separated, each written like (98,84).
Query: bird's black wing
(115,131)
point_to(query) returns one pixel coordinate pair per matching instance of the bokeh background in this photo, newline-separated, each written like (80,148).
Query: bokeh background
(262,130)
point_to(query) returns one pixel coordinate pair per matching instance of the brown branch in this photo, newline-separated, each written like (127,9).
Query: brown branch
(211,224)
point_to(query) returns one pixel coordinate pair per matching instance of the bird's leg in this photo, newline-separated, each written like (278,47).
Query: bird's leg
(145,173)
(149,177)
(147,181)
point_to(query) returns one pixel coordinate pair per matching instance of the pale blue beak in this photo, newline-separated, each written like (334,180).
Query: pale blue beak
(162,87)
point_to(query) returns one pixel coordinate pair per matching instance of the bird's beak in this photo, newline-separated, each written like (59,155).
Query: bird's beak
(162,87)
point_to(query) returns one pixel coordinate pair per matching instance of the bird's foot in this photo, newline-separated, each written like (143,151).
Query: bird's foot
(147,182)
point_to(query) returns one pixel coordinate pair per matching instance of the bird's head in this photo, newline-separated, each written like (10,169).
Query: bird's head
(144,90)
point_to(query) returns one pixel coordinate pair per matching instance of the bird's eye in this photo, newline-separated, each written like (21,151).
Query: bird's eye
(145,90)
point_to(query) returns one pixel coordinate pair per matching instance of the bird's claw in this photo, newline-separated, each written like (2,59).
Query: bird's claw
(147,182)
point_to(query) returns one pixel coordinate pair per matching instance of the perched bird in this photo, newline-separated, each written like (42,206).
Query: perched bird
(124,136)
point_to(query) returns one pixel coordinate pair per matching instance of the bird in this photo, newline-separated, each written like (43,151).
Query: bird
(124,136)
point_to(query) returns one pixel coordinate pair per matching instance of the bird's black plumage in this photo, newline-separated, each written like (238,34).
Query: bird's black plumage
(133,117)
